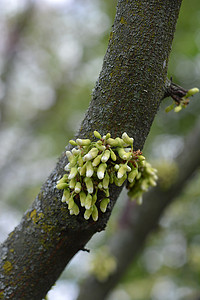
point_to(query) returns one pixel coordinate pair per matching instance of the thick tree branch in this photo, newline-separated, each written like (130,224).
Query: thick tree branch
(126,98)
(137,222)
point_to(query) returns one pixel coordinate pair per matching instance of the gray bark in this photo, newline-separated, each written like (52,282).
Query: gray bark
(126,98)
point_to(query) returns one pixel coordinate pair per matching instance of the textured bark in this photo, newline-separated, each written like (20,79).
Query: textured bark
(126,98)
(137,222)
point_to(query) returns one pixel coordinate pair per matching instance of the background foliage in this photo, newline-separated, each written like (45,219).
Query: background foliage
(50,56)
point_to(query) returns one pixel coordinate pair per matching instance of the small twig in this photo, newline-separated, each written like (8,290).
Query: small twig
(175,91)
(85,250)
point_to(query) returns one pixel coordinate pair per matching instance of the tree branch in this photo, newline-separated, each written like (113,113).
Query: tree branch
(126,98)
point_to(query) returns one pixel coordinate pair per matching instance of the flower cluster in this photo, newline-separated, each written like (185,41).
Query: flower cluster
(146,177)
(93,166)
(108,264)
(182,102)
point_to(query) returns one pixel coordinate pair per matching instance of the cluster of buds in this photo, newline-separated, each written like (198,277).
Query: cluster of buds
(181,102)
(145,178)
(167,172)
(108,264)
(93,166)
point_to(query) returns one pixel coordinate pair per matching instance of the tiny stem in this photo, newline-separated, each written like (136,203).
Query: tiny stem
(175,91)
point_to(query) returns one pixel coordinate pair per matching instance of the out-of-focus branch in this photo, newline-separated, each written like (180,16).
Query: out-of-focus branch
(137,222)
(11,49)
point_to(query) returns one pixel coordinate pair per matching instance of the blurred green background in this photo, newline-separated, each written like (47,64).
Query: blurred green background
(51,53)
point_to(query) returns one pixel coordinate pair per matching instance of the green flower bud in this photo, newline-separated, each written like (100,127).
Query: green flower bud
(75,209)
(76,152)
(68,154)
(97,160)
(77,187)
(141,157)
(70,202)
(131,184)
(112,142)
(63,198)
(107,193)
(82,196)
(101,170)
(122,170)
(89,184)
(61,186)
(108,135)
(87,213)
(127,139)
(111,177)
(97,134)
(94,198)
(141,164)
(99,146)
(72,183)
(150,170)
(155,177)
(152,182)
(144,185)
(73,143)
(128,155)
(88,201)
(73,173)
(123,154)
(67,167)
(80,161)
(128,169)
(91,154)
(82,170)
(100,186)
(132,175)
(66,195)
(105,156)
(106,181)
(178,108)
(104,204)
(112,155)
(120,181)
(89,169)
(63,179)
(120,142)
(83,142)
(72,161)
(192,92)
(95,213)
(116,167)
